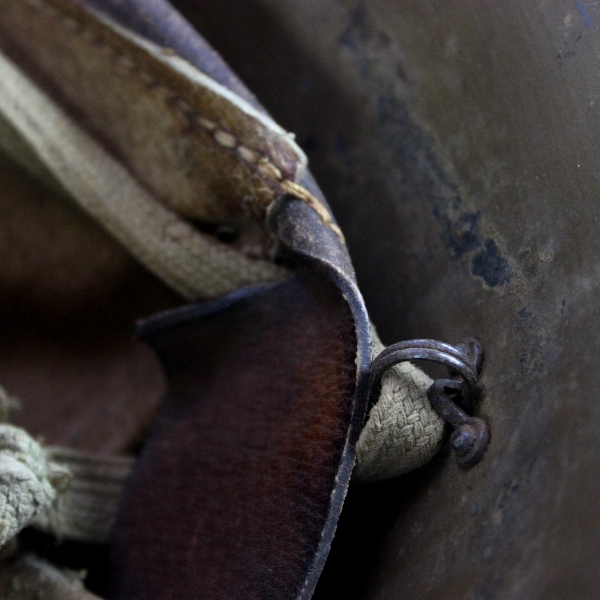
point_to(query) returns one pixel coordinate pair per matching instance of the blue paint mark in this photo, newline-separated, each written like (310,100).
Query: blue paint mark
(587,20)
(490,265)
(423,171)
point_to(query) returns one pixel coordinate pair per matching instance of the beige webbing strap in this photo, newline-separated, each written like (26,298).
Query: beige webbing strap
(69,494)
(402,432)
(27,577)
(87,510)
(191,263)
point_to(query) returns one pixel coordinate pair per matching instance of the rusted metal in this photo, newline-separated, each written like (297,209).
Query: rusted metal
(450,356)
(471,435)
(448,397)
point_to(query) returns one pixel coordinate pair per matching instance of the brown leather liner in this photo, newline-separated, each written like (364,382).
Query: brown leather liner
(233,488)
(310,336)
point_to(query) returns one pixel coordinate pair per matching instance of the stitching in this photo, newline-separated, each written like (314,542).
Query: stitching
(226,139)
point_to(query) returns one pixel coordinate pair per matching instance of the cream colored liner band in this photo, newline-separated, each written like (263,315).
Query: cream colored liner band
(190,262)
(403,432)
(87,510)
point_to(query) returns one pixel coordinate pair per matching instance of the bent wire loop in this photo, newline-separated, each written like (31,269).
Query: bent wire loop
(448,397)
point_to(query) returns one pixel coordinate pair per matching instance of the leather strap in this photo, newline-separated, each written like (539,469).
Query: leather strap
(232,492)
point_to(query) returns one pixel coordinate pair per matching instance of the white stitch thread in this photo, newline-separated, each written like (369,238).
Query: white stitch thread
(225,139)
(206,123)
(247,155)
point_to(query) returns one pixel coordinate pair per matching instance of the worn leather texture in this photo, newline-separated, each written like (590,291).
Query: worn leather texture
(233,487)
(150,110)
(160,22)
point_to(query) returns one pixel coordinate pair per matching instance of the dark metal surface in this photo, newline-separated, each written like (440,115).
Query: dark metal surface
(457,142)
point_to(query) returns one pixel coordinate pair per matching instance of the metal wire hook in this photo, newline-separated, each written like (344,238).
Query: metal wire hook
(465,359)
(472,434)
